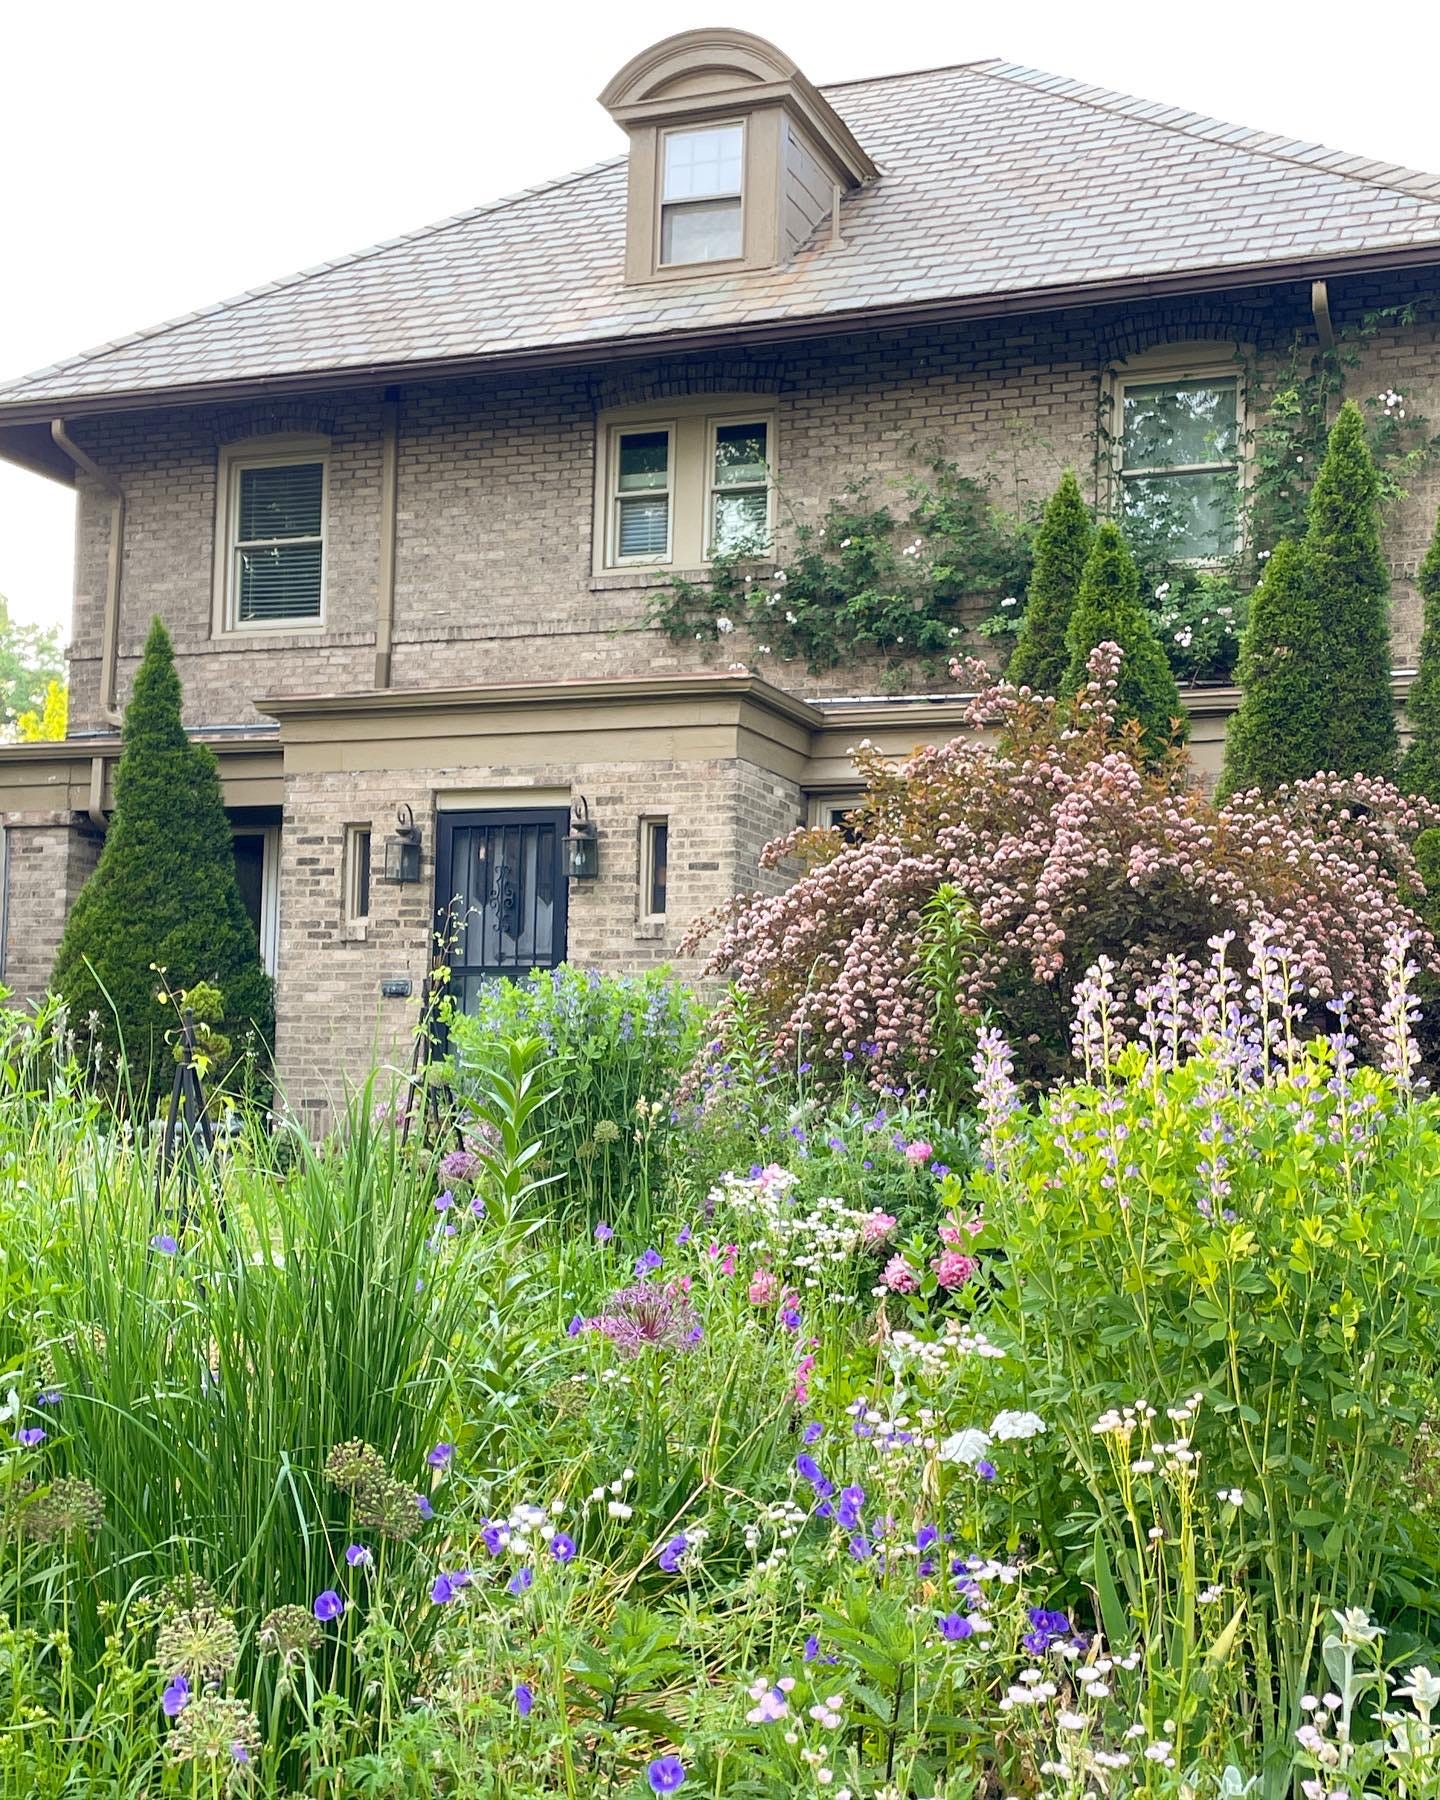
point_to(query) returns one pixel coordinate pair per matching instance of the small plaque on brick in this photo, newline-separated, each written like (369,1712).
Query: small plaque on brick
(395,987)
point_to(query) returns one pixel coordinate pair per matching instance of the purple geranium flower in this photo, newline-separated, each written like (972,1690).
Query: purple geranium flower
(51,1397)
(164,1243)
(238,1751)
(328,1605)
(524,1699)
(520,1581)
(28,1436)
(603,1233)
(175,1698)
(575,1327)
(446,1587)
(444,1201)
(666,1774)
(852,1503)
(669,1558)
(646,1263)
(359,1556)
(985,1470)
(562,1547)
(807,1467)
(954,1627)
(812,1433)
(440,1455)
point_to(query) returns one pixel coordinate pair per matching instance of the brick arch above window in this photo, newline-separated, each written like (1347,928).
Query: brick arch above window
(270,418)
(1223,322)
(672,381)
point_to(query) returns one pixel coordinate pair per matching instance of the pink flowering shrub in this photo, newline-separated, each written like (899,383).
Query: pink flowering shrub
(1068,849)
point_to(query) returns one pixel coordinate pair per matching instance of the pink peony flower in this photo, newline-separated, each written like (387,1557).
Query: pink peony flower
(764,1288)
(919,1153)
(953,1269)
(877,1229)
(899,1277)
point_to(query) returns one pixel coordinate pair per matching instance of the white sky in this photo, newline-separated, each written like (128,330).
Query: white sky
(161,156)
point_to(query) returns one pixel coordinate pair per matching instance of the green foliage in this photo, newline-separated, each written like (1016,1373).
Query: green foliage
(163,901)
(32,660)
(1041,656)
(1420,765)
(1351,589)
(1265,1257)
(1281,729)
(1108,609)
(895,584)
(617,1045)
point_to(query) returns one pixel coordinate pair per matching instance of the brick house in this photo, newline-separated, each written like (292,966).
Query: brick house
(405,514)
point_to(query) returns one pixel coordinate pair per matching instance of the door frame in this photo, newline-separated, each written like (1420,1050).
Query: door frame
(448,822)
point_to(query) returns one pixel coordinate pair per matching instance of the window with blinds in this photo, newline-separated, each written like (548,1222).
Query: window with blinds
(642,496)
(277,524)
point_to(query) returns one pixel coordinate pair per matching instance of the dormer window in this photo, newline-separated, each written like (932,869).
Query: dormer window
(736,161)
(700,199)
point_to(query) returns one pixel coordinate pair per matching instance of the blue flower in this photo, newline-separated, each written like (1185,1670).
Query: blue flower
(51,1397)
(328,1605)
(427,1511)
(985,1470)
(852,1502)
(954,1627)
(444,1589)
(358,1556)
(790,1318)
(665,1774)
(861,1548)
(1048,1628)
(812,1433)
(164,1243)
(28,1436)
(562,1547)
(603,1233)
(440,1455)
(669,1558)
(812,1647)
(520,1581)
(524,1699)
(646,1262)
(175,1698)
(444,1201)
(685,1235)
(807,1467)
(495,1538)
(925,1537)
(575,1327)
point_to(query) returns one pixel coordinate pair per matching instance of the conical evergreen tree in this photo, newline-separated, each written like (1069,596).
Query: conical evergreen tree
(1281,731)
(1351,589)
(164,892)
(1420,765)
(1041,656)
(1108,608)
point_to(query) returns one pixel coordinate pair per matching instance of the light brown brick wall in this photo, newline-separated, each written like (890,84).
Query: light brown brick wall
(494,575)
(48,859)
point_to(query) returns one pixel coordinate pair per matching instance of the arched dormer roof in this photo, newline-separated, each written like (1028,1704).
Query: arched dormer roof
(712,59)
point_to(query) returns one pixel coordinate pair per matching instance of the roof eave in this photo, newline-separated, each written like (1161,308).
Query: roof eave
(16,416)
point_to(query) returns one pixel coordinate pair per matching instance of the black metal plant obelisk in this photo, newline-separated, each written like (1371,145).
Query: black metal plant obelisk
(189,1137)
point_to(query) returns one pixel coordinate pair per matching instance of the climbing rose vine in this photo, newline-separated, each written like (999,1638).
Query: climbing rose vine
(1068,848)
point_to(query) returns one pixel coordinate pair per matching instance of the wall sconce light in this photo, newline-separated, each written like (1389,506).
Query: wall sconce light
(582,844)
(402,848)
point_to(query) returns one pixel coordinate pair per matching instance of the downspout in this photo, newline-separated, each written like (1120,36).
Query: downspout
(110,624)
(389,491)
(1320,312)
(95,801)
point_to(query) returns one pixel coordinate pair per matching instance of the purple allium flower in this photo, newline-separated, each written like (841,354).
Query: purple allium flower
(175,1698)
(520,1581)
(647,1316)
(164,1243)
(328,1605)
(954,1627)
(985,1470)
(459,1165)
(669,1558)
(646,1263)
(28,1436)
(562,1547)
(444,1201)
(524,1699)
(427,1511)
(440,1455)
(603,1233)
(359,1556)
(666,1774)
(812,1433)
(852,1503)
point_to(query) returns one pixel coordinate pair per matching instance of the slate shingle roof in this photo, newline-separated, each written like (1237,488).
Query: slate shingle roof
(996,182)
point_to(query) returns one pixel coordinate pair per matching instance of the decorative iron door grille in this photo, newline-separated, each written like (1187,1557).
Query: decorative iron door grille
(500,894)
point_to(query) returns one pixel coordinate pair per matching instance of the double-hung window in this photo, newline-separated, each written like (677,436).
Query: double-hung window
(739,488)
(1179,463)
(700,195)
(642,478)
(273,538)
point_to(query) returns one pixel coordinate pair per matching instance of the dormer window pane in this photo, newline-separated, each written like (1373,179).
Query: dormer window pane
(700,200)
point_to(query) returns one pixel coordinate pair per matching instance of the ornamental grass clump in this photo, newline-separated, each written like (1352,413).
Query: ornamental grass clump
(1067,845)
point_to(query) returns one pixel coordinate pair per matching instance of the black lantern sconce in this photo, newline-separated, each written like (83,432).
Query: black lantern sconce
(582,844)
(402,848)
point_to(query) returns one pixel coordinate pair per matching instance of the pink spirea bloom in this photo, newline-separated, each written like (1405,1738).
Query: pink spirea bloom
(899,1277)
(878,1228)
(919,1153)
(953,1269)
(764,1288)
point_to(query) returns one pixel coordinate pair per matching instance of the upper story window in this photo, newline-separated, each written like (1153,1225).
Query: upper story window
(700,205)
(1179,457)
(678,490)
(271,537)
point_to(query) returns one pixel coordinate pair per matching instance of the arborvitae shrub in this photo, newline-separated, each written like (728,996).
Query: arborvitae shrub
(1108,611)
(1041,655)
(1420,766)
(1351,589)
(1280,732)
(164,893)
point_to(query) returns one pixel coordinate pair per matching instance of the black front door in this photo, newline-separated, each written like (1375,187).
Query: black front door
(500,894)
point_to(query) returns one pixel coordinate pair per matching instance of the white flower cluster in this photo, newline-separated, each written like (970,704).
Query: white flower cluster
(932,1354)
(608,1496)
(780,1523)
(828,1230)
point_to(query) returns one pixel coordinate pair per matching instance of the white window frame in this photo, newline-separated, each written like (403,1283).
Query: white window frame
(692,425)
(717,262)
(234,460)
(1176,363)
(647,867)
(350,873)
(269,934)
(712,488)
(618,432)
